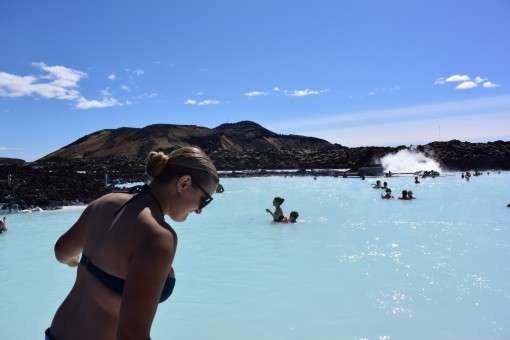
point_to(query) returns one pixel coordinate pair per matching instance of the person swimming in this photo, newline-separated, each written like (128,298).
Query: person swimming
(278,212)
(404,195)
(293,217)
(3,224)
(377,185)
(387,194)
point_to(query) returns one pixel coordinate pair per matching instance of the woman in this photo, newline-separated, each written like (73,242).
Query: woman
(128,249)
(278,212)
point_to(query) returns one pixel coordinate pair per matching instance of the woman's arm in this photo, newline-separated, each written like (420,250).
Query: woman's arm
(146,276)
(269,211)
(70,245)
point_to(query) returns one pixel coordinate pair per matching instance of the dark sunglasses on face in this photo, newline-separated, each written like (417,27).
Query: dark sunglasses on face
(204,201)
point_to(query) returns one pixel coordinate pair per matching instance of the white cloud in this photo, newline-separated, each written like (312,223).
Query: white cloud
(439,81)
(106,92)
(276,89)
(371,93)
(83,103)
(306,92)
(61,76)
(112,76)
(208,102)
(16,86)
(254,94)
(301,93)
(202,103)
(488,84)
(57,82)
(466,85)
(458,78)
(61,82)
(138,72)
(125,88)
(466,82)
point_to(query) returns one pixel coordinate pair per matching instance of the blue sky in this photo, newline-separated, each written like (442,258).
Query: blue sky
(353,72)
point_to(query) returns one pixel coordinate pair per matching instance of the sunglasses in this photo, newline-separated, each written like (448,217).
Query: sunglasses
(204,201)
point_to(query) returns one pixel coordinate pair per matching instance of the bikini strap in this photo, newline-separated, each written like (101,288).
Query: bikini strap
(139,191)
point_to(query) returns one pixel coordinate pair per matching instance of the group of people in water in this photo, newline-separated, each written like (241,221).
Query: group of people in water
(406,194)
(278,215)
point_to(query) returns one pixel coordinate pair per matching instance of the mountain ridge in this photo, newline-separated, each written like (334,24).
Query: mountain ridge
(231,137)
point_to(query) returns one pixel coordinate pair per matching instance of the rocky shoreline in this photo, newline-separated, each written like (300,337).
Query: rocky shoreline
(49,184)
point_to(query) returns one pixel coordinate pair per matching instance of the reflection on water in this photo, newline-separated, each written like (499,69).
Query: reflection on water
(354,267)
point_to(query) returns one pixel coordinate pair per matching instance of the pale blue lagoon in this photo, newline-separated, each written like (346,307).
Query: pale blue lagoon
(354,267)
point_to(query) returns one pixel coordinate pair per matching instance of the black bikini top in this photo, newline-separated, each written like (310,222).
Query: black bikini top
(116,283)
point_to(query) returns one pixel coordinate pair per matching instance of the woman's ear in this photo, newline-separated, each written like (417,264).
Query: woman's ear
(183,182)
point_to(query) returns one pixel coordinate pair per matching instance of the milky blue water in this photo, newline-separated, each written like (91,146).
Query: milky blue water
(354,267)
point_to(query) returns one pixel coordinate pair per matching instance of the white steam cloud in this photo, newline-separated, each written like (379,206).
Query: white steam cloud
(406,161)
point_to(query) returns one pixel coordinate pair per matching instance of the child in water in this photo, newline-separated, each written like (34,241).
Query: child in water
(293,217)
(278,212)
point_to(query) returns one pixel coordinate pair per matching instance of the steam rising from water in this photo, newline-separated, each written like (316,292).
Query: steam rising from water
(409,161)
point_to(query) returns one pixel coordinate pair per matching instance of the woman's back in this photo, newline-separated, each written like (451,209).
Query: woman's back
(92,309)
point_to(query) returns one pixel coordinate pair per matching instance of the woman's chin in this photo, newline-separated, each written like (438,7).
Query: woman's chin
(179,218)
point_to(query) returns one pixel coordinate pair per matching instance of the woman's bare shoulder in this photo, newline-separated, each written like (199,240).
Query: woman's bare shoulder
(110,200)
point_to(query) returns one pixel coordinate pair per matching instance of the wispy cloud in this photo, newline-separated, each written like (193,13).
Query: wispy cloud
(465,82)
(202,103)
(457,78)
(112,76)
(466,85)
(293,93)
(146,95)
(488,84)
(57,82)
(255,94)
(302,93)
(423,112)
(83,103)
(469,119)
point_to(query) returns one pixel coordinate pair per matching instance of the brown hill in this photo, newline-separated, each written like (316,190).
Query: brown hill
(234,137)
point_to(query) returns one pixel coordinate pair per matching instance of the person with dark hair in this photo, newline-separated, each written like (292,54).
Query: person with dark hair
(387,194)
(377,185)
(3,224)
(293,217)
(278,212)
(404,195)
(127,250)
